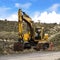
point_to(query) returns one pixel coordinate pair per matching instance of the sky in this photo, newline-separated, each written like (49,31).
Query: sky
(46,11)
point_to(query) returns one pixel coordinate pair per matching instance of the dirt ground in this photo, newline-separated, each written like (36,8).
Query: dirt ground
(33,56)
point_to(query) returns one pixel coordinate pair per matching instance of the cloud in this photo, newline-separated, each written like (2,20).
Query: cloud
(46,17)
(4,14)
(54,7)
(51,17)
(26,5)
(13,17)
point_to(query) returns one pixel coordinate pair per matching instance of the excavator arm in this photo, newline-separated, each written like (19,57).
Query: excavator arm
(28,20)
(22,16)
(20,24)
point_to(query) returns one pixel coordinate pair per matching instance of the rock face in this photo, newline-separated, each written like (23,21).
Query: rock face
(55,29)
(55,36)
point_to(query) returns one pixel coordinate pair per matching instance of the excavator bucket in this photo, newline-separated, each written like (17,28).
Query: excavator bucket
(18,46)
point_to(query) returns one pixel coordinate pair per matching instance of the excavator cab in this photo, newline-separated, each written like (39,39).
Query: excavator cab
(37,33)
(41,38)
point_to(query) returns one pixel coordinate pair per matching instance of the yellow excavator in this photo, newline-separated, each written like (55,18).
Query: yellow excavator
(34,38)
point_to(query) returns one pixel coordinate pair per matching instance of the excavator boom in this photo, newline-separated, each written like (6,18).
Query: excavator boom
(20,23)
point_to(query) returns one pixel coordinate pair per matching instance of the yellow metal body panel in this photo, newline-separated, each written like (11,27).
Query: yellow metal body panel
(43,41)
(26,37)
(20,23)
(46,36)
